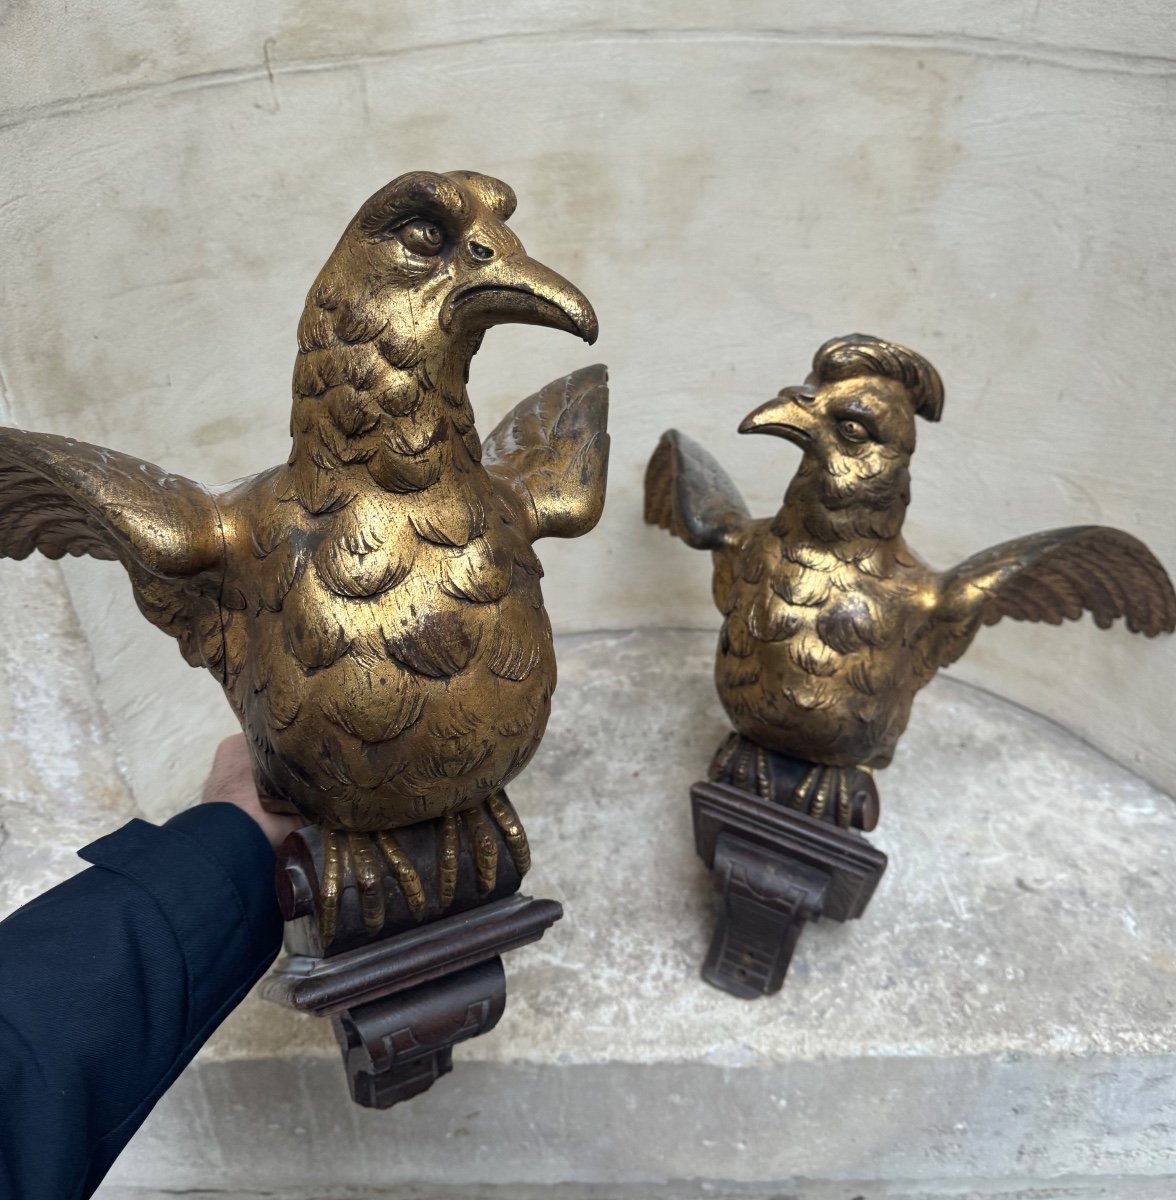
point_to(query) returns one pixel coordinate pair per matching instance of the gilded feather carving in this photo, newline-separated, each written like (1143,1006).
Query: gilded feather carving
(832,623)
(372,606)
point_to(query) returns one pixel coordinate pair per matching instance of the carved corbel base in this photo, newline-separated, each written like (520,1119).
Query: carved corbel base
(401,1001)
(396,1048)
(400,1005)
(774,869)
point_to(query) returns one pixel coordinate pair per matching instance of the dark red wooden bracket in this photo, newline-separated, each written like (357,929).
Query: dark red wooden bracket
(774,869)
(399,1003)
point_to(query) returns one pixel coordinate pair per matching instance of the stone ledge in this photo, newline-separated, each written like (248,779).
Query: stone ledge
(1004,1011)
(923,1122)
(1114,1189)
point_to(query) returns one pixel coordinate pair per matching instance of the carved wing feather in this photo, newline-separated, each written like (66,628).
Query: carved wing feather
(688,493)
(552,452)
(60,496)
(1056,576)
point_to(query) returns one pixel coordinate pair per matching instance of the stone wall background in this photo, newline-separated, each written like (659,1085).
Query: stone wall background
(729,183)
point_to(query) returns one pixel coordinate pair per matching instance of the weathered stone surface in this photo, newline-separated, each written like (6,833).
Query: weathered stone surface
(1115,1189)
(60,786)
(730,183)
(1003,1013)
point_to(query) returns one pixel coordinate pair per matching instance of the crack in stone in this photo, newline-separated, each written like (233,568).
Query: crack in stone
(1042,53)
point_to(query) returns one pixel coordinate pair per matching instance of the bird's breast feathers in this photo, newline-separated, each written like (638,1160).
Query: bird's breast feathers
(396,661)
(811,655)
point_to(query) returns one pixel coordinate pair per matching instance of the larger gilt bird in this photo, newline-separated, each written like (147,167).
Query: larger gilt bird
(831,623)
(372,606)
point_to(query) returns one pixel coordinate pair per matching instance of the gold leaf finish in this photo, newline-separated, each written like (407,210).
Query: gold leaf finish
(372,607)
(831,623)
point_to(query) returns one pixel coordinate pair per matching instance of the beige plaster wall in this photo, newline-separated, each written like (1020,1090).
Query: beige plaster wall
(730,183)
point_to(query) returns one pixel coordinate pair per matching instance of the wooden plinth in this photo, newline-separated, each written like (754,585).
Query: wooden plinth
(774,869)
(400,1002)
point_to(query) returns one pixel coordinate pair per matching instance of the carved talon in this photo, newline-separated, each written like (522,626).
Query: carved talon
(844,801)
(447,861)
(505,817)
(369,879)
(823,786)
(484,845)
(842,796)
(334,867)
(801,798)
(405,873)
(763,782)
(361,856)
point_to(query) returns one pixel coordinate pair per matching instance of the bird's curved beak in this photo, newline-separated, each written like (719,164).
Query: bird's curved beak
(786,416)
(519,290)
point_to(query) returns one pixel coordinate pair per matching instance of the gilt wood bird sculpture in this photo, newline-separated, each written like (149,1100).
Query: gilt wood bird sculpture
(372,606)
(831,623)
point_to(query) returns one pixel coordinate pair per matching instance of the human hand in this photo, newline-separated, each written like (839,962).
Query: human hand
(231,782)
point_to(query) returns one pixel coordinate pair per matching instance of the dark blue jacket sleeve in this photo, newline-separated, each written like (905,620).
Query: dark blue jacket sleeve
(110,983)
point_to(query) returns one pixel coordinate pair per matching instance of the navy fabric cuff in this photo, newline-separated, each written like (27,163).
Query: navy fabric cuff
(235,840)
(211,871)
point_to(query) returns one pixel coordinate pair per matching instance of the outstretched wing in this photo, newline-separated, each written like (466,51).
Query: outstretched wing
(1056,576)
(61,497)
(688,493)
(552,452)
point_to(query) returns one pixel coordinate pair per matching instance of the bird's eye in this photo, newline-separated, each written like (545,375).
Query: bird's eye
(422,237)
(853,431)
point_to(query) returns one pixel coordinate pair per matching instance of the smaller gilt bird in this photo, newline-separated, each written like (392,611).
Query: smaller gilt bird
(831,622)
